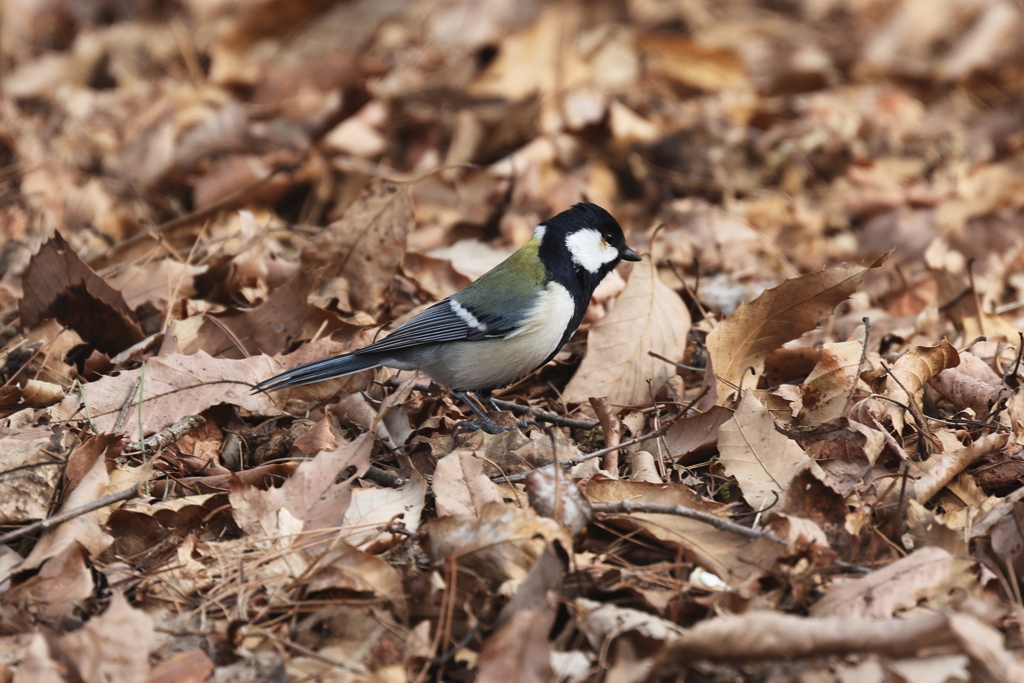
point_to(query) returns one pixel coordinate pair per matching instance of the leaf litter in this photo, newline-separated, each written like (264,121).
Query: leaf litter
(812,386)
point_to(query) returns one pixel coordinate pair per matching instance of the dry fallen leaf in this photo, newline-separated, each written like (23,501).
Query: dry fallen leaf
(58,284)
(648,317)
(366,244)
(885,591)
(763,461)
(742,341)
(461,487)
(174,386)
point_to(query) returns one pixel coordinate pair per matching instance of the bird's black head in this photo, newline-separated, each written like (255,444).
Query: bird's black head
(582,245)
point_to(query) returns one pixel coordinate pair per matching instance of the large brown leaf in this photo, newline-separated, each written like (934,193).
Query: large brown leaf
(58,284)
(648,316)
(366,245)
(762,460)
(779,315)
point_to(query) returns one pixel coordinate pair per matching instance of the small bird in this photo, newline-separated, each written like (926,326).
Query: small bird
(510,321)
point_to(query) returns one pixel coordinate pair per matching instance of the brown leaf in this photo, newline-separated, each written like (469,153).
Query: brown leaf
(648,316)
(895,587)
(828,388)
(367,243)
(373,509)
(743,340)
(31,473)
(685,60)
(763,461)
(519,651)
(99,649)
(185,667)
(910,373)
(349,569)
(461,487)
(692,438)
(268,328)
(175,386)
(58,284)
(499,545)
(725,554)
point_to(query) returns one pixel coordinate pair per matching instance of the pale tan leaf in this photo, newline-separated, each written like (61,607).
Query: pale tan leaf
(101,651)
(987,649)
(743,340)
(763,461)
(174,386)
(498,546)
(896,586)
(31,474)
(648,316)
(366,244)
(827,389)
(910,373)
(461,487)
(371,510)
(942,468)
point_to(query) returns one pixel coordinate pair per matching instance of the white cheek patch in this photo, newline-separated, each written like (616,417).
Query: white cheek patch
(589,250)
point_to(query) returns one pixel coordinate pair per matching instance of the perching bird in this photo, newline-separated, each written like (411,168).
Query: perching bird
(510,321)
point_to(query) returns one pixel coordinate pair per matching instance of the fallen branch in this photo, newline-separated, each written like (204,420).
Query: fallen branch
(167,436)
(628,507)
(771,635)
(50,522)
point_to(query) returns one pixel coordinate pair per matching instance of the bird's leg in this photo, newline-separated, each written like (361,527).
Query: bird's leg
(486,423)
(485,395)
(483,422)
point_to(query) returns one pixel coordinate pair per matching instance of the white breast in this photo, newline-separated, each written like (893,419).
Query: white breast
(494,363)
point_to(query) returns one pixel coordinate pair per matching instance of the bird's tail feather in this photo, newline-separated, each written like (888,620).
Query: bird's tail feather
(325,368)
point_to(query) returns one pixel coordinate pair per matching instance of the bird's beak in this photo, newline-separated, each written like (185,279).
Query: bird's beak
(629,255)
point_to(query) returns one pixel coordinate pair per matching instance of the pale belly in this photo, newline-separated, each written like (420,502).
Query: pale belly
(495,363)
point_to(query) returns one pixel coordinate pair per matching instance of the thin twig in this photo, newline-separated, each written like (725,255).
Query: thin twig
(379,475)
(572,462)
(62,517)
(631,507)
(544,416)
(167,436)
(85,407)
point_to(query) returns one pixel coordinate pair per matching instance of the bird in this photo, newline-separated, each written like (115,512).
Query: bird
(507,323)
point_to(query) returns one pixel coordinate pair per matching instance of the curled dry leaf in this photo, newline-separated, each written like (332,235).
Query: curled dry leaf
(553,493)
(763,461)
(58,284)
(895,587)
(743,340)
(910,372)
(940,469)
(725,554)
(366,245)
(499,546)
(828,388)
(760,634)
(648,316)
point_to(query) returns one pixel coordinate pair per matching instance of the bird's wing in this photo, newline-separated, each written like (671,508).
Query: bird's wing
(445,321)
